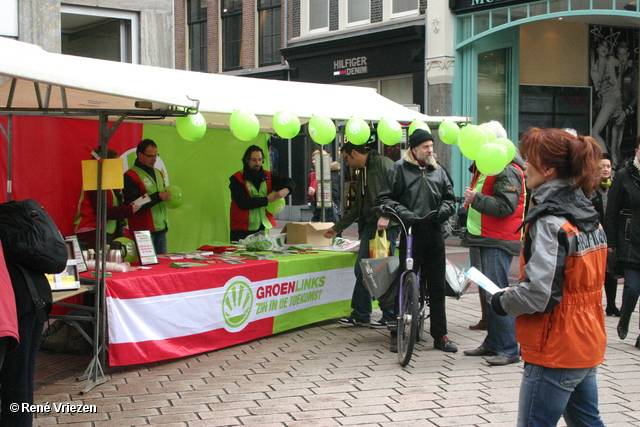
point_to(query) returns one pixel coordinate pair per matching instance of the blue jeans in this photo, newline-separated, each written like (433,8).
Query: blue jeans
(501,330)
(546,394)
(159,239)
(361,299)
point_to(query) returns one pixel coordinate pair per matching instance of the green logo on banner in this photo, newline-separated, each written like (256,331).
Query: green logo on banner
(237,303)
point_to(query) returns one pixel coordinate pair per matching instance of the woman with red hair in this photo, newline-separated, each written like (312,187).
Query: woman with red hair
(558,299)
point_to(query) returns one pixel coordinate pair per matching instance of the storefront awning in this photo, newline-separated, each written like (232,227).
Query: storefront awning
(33,80)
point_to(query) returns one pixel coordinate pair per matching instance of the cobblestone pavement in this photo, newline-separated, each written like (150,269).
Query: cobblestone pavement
(326,374)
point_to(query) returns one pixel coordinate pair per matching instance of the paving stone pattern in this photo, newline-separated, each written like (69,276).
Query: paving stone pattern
(326,374)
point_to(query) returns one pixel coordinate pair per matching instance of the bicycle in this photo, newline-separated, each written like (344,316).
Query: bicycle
(412,299)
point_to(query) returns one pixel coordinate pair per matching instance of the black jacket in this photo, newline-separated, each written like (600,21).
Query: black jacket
(419,190)
(622,217)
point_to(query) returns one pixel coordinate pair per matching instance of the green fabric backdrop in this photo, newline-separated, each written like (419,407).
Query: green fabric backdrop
(201,169)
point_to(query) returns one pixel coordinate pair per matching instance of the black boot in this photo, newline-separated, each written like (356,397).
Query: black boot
(638,342)
(610,290)
(393,344)
(629,301)
(623,327)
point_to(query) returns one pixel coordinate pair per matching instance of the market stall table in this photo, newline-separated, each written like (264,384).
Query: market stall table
(164,312)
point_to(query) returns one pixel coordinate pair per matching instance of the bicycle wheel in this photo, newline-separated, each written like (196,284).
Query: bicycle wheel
(408,318)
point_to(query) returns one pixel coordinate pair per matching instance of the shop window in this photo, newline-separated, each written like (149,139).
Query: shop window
(269,32)
(100,33)
(492,85)
(403,7)
(231,17)
(318,16)
(197,26)
(555,107)
(358,12)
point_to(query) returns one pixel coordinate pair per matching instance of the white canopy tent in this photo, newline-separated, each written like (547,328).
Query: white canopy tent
(36,82)
(76,84)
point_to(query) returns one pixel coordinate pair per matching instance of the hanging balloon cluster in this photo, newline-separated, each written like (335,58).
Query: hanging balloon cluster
(479,143)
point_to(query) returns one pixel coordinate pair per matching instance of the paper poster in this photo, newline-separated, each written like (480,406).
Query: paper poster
(112,174)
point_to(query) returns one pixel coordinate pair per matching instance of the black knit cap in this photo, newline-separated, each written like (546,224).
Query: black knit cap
(418,137)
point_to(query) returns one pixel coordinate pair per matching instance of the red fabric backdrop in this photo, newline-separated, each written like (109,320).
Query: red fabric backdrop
(46,163)
(47,154)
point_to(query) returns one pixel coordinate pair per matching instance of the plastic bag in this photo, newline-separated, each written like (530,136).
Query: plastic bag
(257,242)
(379,246)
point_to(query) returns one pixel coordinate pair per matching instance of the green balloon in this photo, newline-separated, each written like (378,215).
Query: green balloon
(129,251)
(244,125)
(191,127)
(322,129)
(276,206)
(286,124)
(488,130)
(491,159)
(470,140)
(176,197)
(389,131)
(418,124)
(448,132)
(508,146)
(357,131)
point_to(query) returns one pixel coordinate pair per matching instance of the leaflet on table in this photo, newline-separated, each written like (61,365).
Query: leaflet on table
(481,280)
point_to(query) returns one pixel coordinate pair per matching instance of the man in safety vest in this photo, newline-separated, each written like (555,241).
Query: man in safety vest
(496,210)
(252,189)
(143,178)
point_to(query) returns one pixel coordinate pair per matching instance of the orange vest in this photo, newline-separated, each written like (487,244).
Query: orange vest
(572,335)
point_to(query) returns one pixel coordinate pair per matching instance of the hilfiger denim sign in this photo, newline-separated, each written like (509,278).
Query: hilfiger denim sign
(350,66)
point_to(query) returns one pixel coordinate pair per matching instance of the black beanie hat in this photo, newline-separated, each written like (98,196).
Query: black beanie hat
(418,137)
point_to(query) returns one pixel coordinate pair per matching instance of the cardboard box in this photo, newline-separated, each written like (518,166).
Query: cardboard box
(307,232)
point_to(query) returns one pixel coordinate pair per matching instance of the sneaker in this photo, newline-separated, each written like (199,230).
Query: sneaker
(350,321)
(378,324)
(445,344)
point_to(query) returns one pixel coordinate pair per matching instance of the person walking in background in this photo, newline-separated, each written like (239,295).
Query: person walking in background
(252,189)
(373,169)
(143,178)
(599,201)
(558,299)
(495,213)
(418,186)
(117,211)
(622,224)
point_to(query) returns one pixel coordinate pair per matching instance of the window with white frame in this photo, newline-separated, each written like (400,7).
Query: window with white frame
(100,33)
(403,7)
(318,16)
(358,12)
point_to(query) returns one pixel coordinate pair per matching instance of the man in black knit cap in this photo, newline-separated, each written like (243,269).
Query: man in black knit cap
(420,191)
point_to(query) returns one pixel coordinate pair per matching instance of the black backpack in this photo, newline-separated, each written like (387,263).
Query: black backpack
(30,238)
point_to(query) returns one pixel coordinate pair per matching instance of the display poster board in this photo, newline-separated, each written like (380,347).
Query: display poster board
(77,252)
(67,279)
(146,251)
